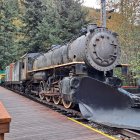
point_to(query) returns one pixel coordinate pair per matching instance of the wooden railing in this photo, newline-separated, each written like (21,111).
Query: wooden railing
(5,120)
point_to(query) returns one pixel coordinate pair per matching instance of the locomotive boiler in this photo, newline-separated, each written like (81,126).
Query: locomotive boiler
(98,49)
(81,72)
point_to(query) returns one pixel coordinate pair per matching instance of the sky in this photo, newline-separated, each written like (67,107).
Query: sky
(92,3)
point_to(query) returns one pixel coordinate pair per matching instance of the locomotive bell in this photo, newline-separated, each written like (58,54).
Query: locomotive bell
(102,50)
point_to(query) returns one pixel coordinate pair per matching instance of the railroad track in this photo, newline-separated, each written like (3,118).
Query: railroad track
(120,134)
(132,135)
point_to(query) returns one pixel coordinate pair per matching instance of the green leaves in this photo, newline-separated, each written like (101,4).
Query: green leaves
(33,16)
(52,23)
(69,18)
(35,25)
(125,23)
(8,12)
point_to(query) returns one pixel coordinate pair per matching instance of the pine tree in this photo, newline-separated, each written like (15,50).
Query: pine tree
(54,23)
(8,50)
(69,17)
(34,14)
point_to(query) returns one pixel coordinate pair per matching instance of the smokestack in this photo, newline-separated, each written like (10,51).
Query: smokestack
(103,13)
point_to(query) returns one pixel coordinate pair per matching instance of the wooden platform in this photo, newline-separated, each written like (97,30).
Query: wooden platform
(32,121)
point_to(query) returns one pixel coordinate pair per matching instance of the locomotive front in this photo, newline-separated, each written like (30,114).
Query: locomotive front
(102,50)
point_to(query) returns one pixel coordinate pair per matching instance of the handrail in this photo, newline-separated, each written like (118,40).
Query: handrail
(5,120)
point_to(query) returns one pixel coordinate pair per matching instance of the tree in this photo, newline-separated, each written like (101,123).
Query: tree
(126,23)
(54,23)
(69,17)
(32,18)
(8,49)
(33,26)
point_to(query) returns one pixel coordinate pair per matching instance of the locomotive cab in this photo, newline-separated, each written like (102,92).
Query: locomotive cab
(27,65)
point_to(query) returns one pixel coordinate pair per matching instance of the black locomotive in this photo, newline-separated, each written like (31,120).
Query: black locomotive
(80,72)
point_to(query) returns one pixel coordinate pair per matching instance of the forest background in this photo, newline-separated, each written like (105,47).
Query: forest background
(34,25)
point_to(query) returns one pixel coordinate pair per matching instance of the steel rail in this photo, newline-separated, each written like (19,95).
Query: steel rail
(131,134)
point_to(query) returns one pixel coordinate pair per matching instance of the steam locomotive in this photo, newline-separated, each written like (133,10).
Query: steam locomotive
(80,72)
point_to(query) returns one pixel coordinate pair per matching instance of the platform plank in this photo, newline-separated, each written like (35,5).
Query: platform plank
(33,121)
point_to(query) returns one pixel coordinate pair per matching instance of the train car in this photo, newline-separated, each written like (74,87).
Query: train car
(11,71)
(9,74)
(82,72)
(7,79)
(16,72)
(2,76)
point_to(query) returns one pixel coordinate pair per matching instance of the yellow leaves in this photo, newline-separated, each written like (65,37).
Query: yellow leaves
(17,22)
(115,22)
(93,15)
(19,37)
(2,15)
